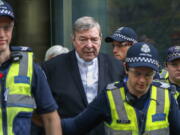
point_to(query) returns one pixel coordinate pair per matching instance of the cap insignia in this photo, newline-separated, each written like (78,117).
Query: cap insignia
(145,48)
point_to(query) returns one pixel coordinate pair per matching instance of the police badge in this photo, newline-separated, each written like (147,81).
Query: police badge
(145,48)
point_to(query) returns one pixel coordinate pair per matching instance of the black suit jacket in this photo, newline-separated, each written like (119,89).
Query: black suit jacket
(65,82)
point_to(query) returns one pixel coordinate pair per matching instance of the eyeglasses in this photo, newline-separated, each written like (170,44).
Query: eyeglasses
(145,75)
(94,40)
(122,44)
(7,27)
(174,64)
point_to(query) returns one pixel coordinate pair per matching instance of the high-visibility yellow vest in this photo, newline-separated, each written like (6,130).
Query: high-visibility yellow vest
(124,119)
(17,95)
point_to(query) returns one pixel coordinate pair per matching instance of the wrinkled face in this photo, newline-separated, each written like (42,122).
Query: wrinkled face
(6,28)
(139,80)
(87,43)
(120,49)
(173,69)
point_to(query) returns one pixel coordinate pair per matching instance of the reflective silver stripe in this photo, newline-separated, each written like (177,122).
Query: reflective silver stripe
(160,100)
(119,103)
(23,67)
(164,131)
(109,131)
(21,101)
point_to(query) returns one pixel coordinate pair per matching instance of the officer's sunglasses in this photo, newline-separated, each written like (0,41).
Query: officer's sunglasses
(122,44)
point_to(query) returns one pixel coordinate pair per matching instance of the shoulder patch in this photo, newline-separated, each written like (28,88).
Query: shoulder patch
(160,83)
(114,85)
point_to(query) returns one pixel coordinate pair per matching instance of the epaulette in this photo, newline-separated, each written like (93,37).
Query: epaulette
(161,84)
(21,48)
(16,54)
(114,85)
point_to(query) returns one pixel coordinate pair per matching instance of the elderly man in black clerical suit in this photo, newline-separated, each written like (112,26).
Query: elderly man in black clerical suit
(77,77)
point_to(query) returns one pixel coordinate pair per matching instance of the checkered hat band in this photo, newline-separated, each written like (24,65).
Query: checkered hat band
(7,12)
(126,38)
(173,55)
(142,59)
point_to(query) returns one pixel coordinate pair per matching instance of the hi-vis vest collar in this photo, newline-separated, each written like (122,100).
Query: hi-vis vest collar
(16,91)
(124,118)
(163,74)
(173,88)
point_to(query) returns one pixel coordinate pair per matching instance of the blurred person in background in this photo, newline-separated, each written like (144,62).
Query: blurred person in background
(54,51)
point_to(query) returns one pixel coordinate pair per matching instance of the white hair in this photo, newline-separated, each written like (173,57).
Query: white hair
(54,51)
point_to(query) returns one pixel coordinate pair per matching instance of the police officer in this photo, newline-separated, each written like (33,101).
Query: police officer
(23,86)
(121,40)
(173,69)
(135,107)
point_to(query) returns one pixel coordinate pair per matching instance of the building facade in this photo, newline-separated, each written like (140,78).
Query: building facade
(43,23)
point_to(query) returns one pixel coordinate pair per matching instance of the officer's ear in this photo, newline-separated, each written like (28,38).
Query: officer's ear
(126,68)
(165,65)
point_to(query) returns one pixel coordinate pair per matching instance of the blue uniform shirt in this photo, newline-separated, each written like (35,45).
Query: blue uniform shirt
(99,110)
(42,93)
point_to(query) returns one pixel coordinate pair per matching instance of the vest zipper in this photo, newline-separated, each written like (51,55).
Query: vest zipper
(142,121)
(4,111)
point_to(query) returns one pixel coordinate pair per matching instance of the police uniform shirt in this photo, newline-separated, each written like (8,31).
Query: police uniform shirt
(99,110)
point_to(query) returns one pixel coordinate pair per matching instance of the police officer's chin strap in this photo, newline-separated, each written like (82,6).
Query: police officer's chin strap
(126,67)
